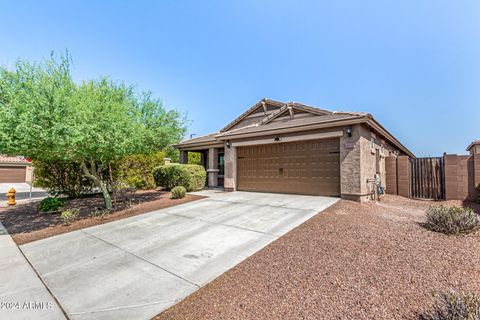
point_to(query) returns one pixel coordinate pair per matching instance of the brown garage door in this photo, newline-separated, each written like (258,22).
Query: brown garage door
(306,167)
(12,174)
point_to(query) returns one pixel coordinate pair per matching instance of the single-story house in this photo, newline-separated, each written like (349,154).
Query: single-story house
(15,170)
(294,148)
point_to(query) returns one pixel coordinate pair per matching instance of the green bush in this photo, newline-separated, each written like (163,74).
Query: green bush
(136,170)
(178,192)
(454,306)
(191,177)
(195,158)
(69,215)
(51,204)
(452,220)
(62,178)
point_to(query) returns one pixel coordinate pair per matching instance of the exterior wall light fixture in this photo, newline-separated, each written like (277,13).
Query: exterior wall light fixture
(349,132)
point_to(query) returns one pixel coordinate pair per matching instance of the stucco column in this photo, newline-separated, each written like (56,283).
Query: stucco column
(183,157)
(230,177)
(212,170)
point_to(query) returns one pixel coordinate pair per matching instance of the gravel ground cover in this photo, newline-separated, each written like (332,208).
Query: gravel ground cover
(25,224)
(353,261)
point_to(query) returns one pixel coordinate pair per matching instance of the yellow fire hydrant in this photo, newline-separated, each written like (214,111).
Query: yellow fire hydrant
(11,197)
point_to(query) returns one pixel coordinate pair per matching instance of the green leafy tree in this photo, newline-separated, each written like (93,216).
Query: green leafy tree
(46,116)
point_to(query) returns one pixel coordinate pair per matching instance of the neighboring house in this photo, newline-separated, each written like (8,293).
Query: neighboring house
(15,170)
(474,147)
(294,148)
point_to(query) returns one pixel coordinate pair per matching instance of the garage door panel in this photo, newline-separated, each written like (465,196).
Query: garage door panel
(12,174)
(308,167)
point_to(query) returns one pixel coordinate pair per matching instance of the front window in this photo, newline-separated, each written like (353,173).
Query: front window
(221,164)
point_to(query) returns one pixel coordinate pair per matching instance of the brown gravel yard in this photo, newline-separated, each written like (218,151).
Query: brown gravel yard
(25,224)
(353,261)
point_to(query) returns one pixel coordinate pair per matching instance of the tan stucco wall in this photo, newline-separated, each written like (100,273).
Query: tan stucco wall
(230,158)
(358,162)
(350,173)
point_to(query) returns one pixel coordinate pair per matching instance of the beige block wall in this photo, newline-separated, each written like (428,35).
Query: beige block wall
(391,175)
(460,177)
(403,181)
(476,168)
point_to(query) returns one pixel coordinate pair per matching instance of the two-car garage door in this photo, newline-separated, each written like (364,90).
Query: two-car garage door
(304,167)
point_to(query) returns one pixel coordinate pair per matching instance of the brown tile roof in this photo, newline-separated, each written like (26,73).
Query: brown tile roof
(265,125)
(201,139)
(6,159)
(291,123)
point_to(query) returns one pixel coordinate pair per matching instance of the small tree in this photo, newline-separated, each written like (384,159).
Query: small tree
(45,116)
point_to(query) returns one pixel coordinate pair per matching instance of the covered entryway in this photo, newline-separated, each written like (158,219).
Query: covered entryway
(303,167)
(12,174)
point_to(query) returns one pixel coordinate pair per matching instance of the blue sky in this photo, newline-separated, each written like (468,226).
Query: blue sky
(415,65)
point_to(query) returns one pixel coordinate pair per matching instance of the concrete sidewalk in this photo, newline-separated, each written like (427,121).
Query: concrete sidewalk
(22,293)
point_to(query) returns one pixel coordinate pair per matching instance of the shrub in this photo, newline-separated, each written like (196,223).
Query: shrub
(195,158)
(136,170)
(191,177)
(178,192)
(51,204)
(62,178)
(69,215)
(454,306)
(452,220)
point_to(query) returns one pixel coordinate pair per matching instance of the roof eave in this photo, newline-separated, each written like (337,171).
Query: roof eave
(474,143)
(303,127)
(377,126)
(197,145)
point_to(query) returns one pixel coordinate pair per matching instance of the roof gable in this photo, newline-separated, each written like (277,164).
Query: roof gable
(255,114)
(292,111)
(267,110)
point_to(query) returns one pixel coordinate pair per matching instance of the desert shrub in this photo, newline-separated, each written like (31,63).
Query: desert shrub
(69,215)
(99,214)
(178,192)
(62,178)
(136,170)
(452,220)
(454,306)
(51,204)
(191,177)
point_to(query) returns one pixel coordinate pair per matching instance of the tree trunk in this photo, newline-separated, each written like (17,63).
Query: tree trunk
(106,196)
(95,176)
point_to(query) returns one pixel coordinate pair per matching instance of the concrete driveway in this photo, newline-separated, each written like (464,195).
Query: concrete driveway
(137,267)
